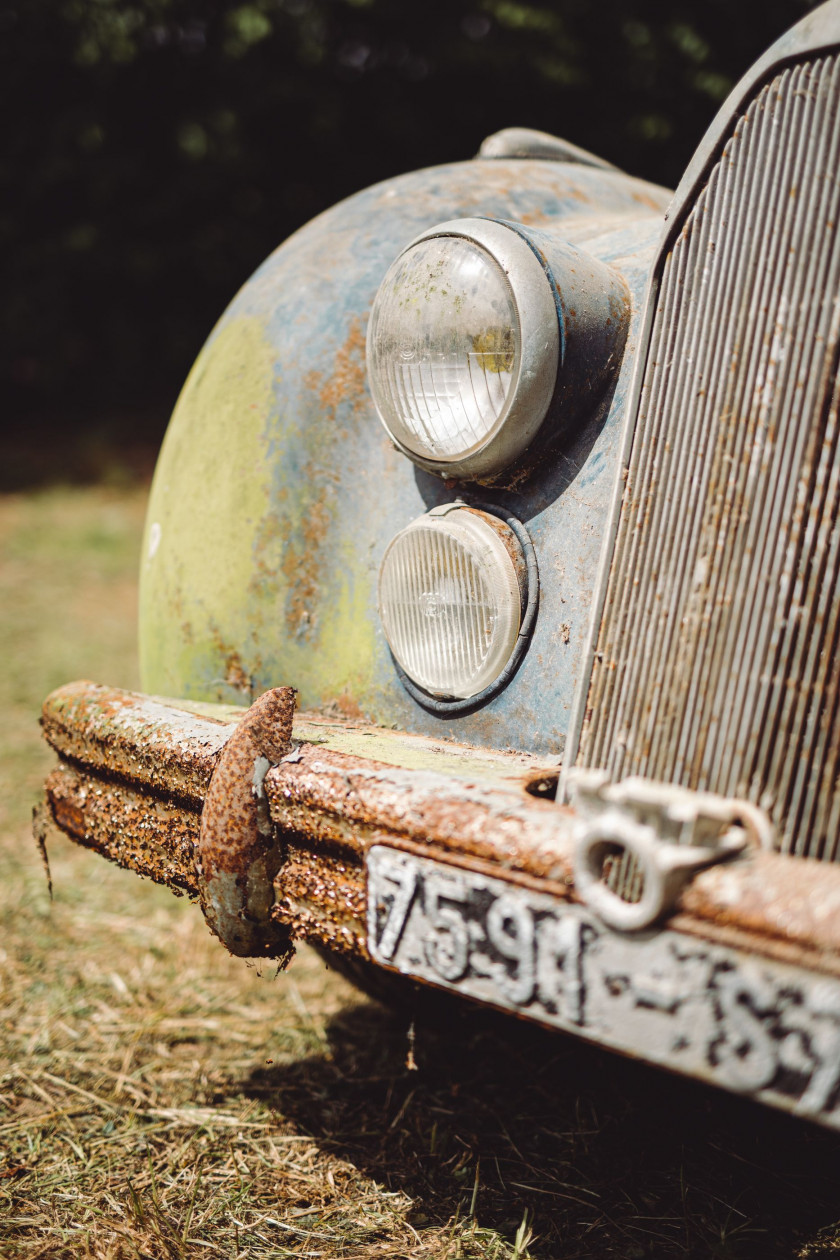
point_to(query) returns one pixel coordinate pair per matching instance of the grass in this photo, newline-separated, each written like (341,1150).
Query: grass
(161,1100)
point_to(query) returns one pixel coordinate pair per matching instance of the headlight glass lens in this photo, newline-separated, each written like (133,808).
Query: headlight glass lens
(444,345)
(449,600)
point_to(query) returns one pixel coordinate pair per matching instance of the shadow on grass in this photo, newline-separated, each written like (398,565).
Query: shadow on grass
(609,1158)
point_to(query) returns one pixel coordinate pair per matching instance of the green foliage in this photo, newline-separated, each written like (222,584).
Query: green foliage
(246,26)
(154,151)
(104,31)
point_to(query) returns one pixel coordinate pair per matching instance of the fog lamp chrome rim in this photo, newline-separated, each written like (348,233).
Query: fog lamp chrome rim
(527,358)
(458,592)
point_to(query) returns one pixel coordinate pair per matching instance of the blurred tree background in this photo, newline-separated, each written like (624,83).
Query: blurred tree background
(152,152)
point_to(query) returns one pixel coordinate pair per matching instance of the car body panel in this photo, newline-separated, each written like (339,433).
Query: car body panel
(277,489)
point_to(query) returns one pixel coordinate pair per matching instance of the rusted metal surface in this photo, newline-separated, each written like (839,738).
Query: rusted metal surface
(237,851)
(320,896)
(136,738)
(333,807)
(173,745)
(786,899)
(154,836)
(716,659)
(472,807)
(135,771)
(341,800)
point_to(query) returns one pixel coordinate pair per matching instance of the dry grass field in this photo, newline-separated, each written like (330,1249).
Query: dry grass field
(161,1100)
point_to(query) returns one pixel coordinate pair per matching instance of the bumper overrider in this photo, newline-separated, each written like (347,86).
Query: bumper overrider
(647,918)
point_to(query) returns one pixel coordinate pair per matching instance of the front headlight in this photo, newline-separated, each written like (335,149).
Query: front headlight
(463,346)
(446,347)
(485,337)
(452,591)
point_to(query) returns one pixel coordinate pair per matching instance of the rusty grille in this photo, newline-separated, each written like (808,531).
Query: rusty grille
(717,662)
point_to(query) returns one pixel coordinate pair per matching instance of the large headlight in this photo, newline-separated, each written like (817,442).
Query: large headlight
(480,332)
(452,592)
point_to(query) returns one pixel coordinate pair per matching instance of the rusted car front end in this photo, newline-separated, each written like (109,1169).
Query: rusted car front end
(525,687)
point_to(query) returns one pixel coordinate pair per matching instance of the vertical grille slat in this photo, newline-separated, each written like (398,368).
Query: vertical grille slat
(734,469)
(718,344)
(798,489)
(716,662)
(734,464)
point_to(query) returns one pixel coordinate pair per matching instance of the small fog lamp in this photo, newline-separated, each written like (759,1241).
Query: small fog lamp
(452,591)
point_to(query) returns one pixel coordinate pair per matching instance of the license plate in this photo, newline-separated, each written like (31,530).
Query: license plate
(748,1023)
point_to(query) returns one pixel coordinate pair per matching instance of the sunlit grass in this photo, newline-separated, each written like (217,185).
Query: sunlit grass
(68,598)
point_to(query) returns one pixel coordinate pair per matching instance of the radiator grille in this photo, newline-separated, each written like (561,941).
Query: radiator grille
(717,662)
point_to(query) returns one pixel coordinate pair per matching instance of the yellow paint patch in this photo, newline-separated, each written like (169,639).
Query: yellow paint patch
(209,497)
(348,638)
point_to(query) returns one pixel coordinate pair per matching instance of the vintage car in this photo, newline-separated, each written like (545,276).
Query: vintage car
(493,561)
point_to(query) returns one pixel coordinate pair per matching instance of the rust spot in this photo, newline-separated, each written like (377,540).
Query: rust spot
(645,199)
(271,531)
(133,738)
(347,707)
(236,844)
(302,556)
(346,386)
(233,672)
(299,535)
(127,826)
(312,381)
(69,816)
(535,218)
(322,897)
(235,675)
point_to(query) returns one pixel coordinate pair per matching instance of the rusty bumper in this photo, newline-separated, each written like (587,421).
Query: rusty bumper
(135,774)
(293,827)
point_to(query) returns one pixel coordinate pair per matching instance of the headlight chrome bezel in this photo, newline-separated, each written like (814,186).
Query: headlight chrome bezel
(536,366)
